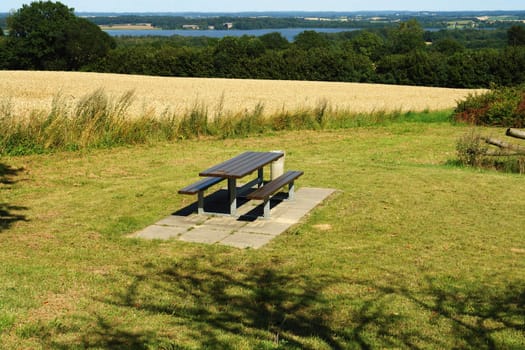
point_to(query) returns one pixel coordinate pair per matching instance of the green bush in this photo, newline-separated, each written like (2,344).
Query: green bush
(498,107)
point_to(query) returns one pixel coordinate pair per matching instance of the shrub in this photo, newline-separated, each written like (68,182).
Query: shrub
(471,149)
(498,107)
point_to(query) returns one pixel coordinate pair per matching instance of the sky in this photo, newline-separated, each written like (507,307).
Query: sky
(274,5)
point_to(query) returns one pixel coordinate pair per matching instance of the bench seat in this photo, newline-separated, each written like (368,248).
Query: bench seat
(264,193)
(201,185)
(198,188)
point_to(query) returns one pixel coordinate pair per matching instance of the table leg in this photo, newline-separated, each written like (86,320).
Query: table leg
(291,191)
(266,214)
(232,191)
(200,203)
(260,178)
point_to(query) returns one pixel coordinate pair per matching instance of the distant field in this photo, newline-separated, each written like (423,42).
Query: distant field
(26,91)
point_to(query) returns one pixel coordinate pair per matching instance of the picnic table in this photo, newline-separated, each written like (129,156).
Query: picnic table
(237,168)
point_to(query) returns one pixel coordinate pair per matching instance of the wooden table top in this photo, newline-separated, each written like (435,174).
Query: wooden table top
(242,165)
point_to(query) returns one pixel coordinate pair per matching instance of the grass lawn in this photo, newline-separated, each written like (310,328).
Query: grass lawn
(412,252)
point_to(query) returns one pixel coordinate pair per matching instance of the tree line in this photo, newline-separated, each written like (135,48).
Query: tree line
(405,54)
(47,35)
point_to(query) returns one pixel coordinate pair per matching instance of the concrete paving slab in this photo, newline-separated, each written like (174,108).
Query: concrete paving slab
(315,195)
(203,234)
(177,220)
(246,240)
(225,222)
(248,230)
(160,232)
(180,221)
(291,216)
(267,227)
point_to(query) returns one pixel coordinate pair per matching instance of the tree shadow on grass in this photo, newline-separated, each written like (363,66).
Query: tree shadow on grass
(7,173)
(219,305)
(477,316)
(209,304)
(479,313)
(8,214)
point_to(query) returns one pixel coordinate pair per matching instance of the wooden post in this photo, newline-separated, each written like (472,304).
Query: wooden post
(505,145)
(519,134)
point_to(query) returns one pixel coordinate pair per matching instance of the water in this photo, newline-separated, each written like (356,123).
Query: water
(288,33)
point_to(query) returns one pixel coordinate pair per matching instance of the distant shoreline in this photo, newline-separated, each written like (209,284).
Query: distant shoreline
(288,33)
(142,26)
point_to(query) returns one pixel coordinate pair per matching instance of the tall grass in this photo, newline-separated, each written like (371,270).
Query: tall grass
(100,121)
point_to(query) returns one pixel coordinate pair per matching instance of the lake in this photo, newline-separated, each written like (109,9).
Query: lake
(288,33)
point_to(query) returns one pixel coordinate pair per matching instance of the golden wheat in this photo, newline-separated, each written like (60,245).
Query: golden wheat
(33,90)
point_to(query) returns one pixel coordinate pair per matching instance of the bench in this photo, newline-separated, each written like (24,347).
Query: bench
(199,187)
(264,193)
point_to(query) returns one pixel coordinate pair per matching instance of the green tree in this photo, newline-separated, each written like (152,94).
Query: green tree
(406,37)
(391,69)
(447,46)
(270,66)
(425,68)
(3,52)
(233,56)
(516,36)
(508,66)
(48,35)
(310,39)
(274,41)
(474,69)
(368,44)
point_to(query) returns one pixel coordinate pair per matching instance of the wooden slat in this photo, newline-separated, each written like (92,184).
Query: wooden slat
(274,185)
(200,185)
(223,167)
(242,165)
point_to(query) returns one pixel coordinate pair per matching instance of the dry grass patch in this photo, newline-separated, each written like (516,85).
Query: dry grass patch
(323,227)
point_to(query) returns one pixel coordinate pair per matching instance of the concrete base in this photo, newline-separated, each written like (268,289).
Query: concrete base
(246,231)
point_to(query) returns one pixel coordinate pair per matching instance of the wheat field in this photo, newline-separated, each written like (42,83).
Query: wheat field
(26,91)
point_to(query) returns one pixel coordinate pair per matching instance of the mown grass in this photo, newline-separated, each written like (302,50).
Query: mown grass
(411,253)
